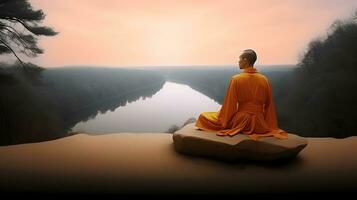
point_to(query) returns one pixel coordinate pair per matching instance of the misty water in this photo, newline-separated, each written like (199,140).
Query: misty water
(173,104)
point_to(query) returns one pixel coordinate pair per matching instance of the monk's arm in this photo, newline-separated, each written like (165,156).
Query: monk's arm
(270,113)
(229,106)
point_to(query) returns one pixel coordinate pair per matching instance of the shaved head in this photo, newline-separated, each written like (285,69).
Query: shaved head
(250,55)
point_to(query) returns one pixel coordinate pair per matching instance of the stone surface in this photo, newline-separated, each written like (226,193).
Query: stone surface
(190,140)
(138,163)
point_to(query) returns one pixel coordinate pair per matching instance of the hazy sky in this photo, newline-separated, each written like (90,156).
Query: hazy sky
(183,32)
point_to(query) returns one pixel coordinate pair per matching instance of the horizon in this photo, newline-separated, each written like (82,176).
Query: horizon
(269,66)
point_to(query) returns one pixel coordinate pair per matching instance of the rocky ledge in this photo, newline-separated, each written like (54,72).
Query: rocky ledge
(148,163)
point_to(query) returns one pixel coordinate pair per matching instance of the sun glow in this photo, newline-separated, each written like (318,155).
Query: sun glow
(168,41)
(160,32)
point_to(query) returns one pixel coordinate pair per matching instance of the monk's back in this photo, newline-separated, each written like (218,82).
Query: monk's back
(247,107)
(252,87)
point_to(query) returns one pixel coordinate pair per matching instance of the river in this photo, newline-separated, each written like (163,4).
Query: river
(173,104)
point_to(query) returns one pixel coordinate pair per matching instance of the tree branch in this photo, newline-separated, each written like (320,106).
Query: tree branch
(14,32)
(13,52)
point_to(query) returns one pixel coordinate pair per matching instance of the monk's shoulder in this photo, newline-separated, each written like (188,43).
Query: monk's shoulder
(236,76)
(262,76)
(245,75)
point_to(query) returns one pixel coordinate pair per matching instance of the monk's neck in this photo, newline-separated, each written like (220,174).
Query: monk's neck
(250,70)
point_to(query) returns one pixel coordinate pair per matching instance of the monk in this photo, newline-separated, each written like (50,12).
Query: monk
(248,105)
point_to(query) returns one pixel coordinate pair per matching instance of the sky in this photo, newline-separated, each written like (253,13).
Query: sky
(182,32)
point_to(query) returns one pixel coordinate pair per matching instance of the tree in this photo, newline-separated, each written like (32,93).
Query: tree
(321,98)
(17,14)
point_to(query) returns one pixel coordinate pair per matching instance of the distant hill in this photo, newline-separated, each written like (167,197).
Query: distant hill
(65,97)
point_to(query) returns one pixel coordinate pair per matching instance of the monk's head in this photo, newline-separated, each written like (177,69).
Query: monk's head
(247,58)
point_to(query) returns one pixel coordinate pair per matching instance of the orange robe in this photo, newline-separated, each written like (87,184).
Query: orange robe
(247,108)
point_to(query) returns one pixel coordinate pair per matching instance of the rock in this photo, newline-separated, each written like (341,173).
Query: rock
(189,140)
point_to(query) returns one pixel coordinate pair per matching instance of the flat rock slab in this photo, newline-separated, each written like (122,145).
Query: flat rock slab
(147,163)
(190,140)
